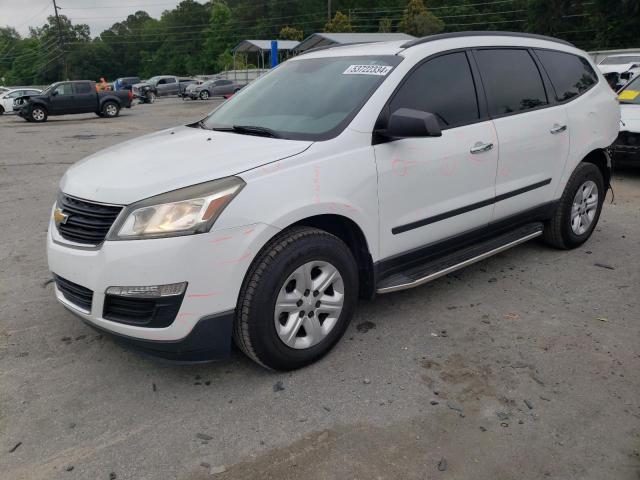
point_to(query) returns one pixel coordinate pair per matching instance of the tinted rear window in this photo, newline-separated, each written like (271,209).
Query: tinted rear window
(83,88)
(570,75)
(511,80)
(442,86)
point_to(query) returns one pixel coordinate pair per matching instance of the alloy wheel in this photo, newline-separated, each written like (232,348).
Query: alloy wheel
(309,304)
(584,208)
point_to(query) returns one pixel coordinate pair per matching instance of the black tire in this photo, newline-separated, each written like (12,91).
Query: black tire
(100,114)
(558,231)
(204,95)
(236,91)
(38,114)
(1,109)
(254,328)
(110,110)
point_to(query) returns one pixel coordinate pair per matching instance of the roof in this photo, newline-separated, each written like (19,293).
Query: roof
(443,36)
(323,39)
(264,45)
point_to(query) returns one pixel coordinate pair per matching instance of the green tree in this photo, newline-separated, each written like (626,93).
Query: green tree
(418,21)
(338,24)
(291,33)
(217,42)
(385,25)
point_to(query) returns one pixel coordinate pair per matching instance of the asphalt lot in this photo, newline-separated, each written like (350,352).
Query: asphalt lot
(522,366)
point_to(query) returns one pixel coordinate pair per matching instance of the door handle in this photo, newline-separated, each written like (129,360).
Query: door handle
(480,147)
(557,129)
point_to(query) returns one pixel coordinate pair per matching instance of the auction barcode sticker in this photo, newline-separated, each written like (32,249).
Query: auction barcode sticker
(381,70)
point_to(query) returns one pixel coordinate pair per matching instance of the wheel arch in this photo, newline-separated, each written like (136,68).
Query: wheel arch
(601,159)
(352,235)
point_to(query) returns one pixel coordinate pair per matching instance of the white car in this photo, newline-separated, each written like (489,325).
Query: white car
(344,172)
(7,98)
(626,148)
(620,68)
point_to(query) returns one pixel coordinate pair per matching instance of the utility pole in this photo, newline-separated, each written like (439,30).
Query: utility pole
(61,41)
(329,10)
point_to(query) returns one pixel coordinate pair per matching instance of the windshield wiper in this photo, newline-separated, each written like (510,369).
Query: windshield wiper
(254,130)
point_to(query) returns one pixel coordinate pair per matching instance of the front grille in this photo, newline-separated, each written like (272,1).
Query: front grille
(144,312)
(74,293)
(87,222)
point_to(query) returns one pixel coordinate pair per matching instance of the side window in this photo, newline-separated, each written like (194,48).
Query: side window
(15,94)
(511,80)
(162,81)
(170,80)
(32,92)
(570,75)
(64,89)
(442,86)
(82,88)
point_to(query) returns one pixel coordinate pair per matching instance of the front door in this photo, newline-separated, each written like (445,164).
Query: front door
(532,132)
(434,188)
(62,99)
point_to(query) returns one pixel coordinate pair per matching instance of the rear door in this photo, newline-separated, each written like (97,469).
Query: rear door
(532,130)
(85,97)
(434,188)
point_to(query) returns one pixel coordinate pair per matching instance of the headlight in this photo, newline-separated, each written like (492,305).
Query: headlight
(181,212)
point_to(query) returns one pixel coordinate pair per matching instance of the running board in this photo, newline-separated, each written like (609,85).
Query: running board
(421,274)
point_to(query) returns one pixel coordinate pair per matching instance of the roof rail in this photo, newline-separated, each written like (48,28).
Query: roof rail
(488,33)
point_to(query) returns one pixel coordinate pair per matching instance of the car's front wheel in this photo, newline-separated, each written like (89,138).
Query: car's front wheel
(297,299)
(38,114)
(204,95)
(578,211)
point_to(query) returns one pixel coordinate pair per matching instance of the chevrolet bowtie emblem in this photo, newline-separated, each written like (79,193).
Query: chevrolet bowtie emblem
(59,216)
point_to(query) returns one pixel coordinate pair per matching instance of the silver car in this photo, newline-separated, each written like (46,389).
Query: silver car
(214,88)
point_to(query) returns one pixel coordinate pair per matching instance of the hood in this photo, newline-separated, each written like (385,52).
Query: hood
(170,159)
(630,118)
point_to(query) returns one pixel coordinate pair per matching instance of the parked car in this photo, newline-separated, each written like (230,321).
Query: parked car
(189,89)
(7,98)
(162,86)
(214,88)
(63,98)
(349,171)
(620,68)
(626,148)
(183,84)
(125,83)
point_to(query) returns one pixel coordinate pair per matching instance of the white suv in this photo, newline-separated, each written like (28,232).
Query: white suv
(345,172)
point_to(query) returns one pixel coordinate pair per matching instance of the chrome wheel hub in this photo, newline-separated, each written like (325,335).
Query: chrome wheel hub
(585,205)
(309,304)
(38,114)
(111,110)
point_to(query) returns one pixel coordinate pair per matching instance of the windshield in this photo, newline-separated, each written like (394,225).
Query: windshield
(306,99)
(50,88)
(630,94)
(620,60)
(153,80)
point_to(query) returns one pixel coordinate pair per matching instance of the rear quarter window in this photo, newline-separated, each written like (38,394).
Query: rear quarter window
(570,74)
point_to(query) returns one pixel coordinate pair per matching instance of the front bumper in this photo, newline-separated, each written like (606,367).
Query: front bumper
(213,264)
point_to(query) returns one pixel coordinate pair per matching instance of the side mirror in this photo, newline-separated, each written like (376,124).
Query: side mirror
(54,93)
(625,75)
(408,123)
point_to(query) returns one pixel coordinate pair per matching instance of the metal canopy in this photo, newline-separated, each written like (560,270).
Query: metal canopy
(323,39)
(264,45)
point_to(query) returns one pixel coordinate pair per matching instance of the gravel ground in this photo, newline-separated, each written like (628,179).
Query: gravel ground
(522,366)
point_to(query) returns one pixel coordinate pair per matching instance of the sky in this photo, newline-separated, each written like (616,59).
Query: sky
(99,15)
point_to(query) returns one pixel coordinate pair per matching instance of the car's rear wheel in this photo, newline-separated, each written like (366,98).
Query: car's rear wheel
(297,299)
(204,95)
(110,110)
(38,114)
(578,211)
